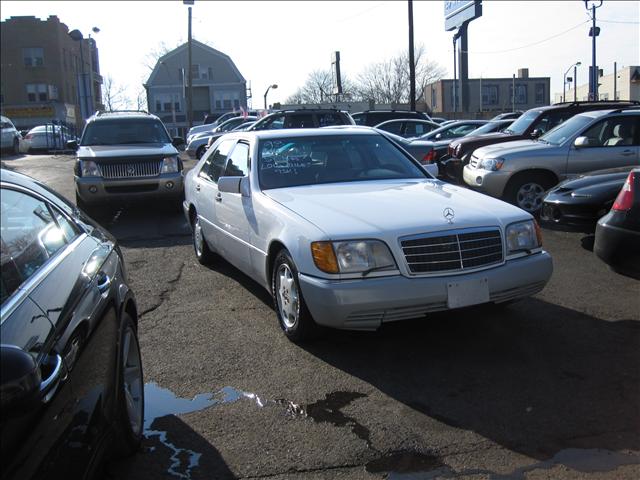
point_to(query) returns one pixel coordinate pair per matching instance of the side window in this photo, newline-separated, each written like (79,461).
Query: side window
(29,235)
(550,120)
(276,122)
(612,132)
(238,164)
(299,121)
(215,159)
(326,119)
(396,126)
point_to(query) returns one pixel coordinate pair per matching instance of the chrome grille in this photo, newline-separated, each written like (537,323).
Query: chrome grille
(457,250)
(149,168)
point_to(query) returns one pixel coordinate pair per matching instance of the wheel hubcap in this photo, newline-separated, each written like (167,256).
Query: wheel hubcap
(287,296)
(132,379)
(197,237)
(529,196)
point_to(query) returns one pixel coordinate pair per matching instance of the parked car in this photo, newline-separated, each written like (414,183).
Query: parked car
(438,119)
(198,143)
(532,124)
(211,121)
(455,129)
(617,241)
(71,384)
(126,156)
(449,165)
(408,127)
(371,118)
(332,222)
(522,171)
(577,204)
(508,115)
(45,137)
(303,118)
(10,139)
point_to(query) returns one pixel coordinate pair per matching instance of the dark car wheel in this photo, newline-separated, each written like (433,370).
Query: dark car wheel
(130,400)
(16,146)
(291,309)
(203,254)
(527,191)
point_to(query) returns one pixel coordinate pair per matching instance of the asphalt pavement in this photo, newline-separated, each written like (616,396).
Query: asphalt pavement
(548,387)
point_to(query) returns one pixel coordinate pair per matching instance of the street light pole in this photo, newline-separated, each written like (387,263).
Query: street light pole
(190,73)
(564,81)
(594,32)
(575,82)
(274,86)
(412,67)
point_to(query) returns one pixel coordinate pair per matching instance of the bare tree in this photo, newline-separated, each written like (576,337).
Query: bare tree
(114,95)
(151,58)
(388,81)
(318,88)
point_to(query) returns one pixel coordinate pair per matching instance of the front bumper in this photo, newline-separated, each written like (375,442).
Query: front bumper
(364,304)
(97,190)
(618,247)
(570,217)
(486,181)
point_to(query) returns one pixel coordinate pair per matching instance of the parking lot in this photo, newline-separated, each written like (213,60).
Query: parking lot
(548,387)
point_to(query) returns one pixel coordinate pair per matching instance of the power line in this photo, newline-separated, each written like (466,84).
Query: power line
(618,21)
(531,44)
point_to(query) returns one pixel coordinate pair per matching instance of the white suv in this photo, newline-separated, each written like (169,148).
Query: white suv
(10,136)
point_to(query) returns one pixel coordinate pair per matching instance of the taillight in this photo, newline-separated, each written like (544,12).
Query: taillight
(624,200)
(429,157)
(29,136)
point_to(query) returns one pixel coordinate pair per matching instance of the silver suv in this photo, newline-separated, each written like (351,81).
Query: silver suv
(521,171)
(126,155)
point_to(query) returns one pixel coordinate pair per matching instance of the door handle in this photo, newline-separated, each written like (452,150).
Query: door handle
(219,197)
(197,187)
(627,153)
(49,384)
(103,282)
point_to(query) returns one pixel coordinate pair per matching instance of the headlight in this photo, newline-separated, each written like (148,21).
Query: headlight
(169,165)
(89,168)
(356,256)
(523,236)
(491,164)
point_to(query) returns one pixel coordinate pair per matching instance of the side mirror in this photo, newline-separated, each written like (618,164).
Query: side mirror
(19,381)
(229,184)
(72,144)
(536,133)
(581,142)
(177,141)
(438,136)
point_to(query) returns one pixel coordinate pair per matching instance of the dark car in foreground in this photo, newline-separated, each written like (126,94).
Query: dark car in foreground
(576,205)
(617,241)
(71,386)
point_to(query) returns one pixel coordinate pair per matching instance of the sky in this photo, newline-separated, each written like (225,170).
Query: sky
(283,42)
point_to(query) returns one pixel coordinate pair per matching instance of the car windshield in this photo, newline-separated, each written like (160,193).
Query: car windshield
(309,160)
(562,132)
(523,122)
(486,128)
(125,131)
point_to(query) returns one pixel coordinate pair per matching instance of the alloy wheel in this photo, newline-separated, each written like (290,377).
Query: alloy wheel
(132,381)
(529,196)
(287,295)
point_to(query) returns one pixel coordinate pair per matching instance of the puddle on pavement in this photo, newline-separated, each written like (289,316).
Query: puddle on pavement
(160,402)
(404,461)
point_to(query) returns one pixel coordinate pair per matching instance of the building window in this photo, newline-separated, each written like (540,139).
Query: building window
(226,104)
(210,72)
(521,94)
(540,93)
(176,105)
(166,106)
(434,98)
(490,95)
(158,106)
(218,105)
(33,57)
(236,104)
(37,92)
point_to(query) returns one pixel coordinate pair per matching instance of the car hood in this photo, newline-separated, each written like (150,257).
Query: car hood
(601,184)
(514,147)
(110,151)
(404,207)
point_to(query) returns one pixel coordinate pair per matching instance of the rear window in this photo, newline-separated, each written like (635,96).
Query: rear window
(125,131)
(523,122)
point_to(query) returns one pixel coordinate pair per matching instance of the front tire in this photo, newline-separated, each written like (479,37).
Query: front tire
(527,191)
(129,421)
(293,315)
(203,254)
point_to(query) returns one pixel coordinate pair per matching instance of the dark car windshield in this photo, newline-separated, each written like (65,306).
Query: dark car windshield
(125,131)
(309,160)
(523,122)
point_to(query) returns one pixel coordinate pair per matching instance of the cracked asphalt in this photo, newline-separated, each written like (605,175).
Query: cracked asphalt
(549,387)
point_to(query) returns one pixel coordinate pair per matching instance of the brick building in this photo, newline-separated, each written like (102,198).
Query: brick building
(46,75)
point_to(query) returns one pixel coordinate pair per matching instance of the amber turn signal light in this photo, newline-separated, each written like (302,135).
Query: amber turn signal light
(324,257)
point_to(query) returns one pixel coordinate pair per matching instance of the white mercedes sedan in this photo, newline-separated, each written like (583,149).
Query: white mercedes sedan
(346,230)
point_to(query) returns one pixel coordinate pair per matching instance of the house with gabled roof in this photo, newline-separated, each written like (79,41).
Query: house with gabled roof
(218,86)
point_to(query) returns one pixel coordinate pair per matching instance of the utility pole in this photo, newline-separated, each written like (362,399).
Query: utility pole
(575,82)
(593,33)
(463,64)
(513,93)
(615,80)
(412,66)
(190,73)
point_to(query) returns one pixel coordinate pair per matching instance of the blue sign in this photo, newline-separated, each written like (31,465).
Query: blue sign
(456,12)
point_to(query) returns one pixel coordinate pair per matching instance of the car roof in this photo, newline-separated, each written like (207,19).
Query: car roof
(120,114)
(338,130)
(602,113)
